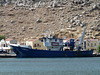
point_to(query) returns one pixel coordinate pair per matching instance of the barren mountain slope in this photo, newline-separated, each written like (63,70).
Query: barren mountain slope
(68,18)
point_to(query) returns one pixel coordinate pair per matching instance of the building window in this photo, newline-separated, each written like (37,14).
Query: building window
(91,44)
(95,44)
(41,40)
(37,45)
(88,44)
(72,35)
(34,45)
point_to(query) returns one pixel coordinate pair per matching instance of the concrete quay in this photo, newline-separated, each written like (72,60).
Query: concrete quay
(98,55)
(7,55)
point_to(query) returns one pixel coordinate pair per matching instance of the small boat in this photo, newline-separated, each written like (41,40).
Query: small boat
(54,48)
(3,52)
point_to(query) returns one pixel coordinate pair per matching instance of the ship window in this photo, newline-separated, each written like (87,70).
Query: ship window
(49,49)
(60,41)
(47,40)
(50,39)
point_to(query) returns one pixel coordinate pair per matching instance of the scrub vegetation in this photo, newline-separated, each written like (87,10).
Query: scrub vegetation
(99,49)
(2,37)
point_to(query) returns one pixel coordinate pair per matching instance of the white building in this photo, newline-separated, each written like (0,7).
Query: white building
(11,41)
(5,44)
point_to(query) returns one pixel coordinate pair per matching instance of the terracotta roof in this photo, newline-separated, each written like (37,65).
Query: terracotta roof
(8,39)
(32,39)
(69,38)
(92,39)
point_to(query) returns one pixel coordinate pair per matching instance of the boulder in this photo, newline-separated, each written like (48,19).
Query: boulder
(61,8)
(12,21)
(23,28)
(75,18)
(72,21)
(84,12)
(94,7)
(30,28)
(31,9)
(67,20)
(38,21)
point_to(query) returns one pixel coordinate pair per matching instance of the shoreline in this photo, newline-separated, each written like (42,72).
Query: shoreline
(7,55)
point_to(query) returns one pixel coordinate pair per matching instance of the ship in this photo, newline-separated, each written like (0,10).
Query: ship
(54,48)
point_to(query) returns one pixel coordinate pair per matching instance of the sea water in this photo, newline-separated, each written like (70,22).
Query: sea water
(50,66)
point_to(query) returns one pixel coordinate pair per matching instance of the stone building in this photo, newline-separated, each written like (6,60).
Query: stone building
(89,44)
(36,44)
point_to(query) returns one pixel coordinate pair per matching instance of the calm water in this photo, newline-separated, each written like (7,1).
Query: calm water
(50,66)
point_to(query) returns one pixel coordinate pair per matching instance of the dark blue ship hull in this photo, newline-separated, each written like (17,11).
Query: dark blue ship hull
(23,52)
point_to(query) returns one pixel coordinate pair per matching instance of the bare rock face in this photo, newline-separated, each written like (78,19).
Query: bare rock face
(2,2)
(6,2)
(35,17)
(96,27)
(24,2)
(1,26)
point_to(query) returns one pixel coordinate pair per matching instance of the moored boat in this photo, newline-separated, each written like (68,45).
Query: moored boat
(54,48)
(28,52)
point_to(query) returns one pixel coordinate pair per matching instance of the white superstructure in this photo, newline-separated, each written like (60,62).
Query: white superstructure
(53,44)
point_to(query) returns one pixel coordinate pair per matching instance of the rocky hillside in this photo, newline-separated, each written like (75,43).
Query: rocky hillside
(25,19)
